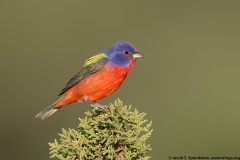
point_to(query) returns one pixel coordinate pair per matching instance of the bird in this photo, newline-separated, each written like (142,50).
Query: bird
(100,76)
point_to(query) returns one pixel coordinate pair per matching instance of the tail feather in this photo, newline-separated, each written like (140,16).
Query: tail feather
(44,114)
(47,112)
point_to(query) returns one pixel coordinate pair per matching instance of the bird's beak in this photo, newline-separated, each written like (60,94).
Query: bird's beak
(137,55)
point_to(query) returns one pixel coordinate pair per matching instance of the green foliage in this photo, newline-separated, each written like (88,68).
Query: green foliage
(115,133)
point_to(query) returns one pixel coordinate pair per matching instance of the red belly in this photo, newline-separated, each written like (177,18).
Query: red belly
(100,84)
(96,86)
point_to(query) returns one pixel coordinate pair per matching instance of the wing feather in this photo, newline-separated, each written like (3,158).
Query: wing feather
(86,71)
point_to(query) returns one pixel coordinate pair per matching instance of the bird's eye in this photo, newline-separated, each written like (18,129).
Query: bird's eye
(126,53)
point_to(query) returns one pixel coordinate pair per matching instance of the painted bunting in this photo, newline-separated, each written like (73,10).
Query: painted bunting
(100,76)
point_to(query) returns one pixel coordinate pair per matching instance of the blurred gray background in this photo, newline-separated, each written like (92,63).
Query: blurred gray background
(187,82)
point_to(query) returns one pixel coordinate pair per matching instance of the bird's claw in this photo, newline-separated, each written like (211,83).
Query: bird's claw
(99,106)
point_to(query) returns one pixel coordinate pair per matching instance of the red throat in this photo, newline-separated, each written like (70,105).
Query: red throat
(131,64)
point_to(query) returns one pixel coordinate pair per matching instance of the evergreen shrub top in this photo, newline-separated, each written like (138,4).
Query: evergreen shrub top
(115,133)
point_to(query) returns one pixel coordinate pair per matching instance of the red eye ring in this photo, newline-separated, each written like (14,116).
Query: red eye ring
(126,53)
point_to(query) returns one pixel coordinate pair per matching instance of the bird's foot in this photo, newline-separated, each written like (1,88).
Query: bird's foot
(99,106)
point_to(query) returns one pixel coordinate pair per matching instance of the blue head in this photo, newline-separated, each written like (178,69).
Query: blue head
(122,53)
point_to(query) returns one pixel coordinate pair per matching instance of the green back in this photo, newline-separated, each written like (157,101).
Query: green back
(91,65)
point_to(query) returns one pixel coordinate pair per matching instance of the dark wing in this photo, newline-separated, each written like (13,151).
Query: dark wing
(84,72)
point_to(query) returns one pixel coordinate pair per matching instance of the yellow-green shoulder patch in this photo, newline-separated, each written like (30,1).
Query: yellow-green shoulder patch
(94,59)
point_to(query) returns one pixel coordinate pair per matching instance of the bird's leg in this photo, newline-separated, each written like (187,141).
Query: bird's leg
(100,105)
(85,98)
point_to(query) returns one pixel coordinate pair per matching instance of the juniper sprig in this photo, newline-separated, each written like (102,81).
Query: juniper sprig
(118,132)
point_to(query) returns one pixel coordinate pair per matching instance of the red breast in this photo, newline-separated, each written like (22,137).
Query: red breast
(98,85)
